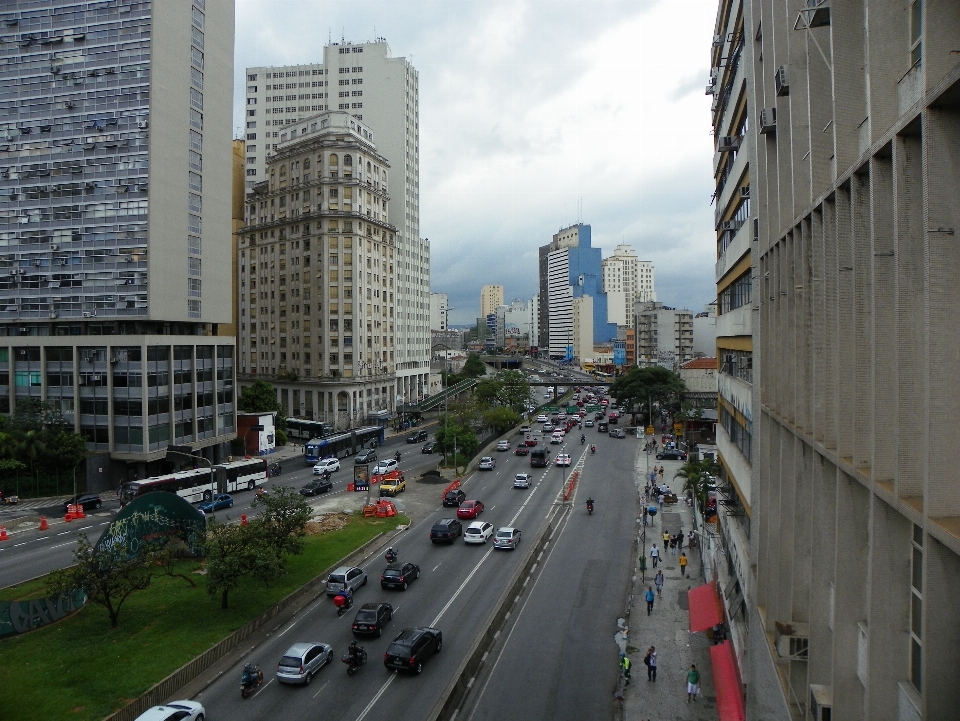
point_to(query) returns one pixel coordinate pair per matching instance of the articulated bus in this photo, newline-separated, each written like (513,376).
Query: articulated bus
(303,430)
(343,444)
(199,484)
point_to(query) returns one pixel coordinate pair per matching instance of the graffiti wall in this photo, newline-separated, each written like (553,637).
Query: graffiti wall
(17,617)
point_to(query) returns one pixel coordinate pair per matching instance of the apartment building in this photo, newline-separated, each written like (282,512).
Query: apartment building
(664,335)
(381,91)
(116,124)
(491,298)
(439,311)
(856,536)
(317,274)
(626,279)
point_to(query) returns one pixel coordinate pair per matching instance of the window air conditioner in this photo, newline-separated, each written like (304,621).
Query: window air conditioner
(821,702)
(733,225)
(783,87)
(744,191)
(54,314)
(792,640)
(143,124)
(768,121)
(86,314)
(54,247)
(727,143)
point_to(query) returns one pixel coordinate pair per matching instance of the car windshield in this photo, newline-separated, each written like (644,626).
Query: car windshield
(336,579)
(366,615)
(392,572)
(504,534)
(290,662)
(397,649)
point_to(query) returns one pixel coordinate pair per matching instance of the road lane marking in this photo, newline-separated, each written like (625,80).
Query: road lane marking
(462,586)
(321,688)
(438,566)
(377,696)
(64,533)
(62,544)
(84,528)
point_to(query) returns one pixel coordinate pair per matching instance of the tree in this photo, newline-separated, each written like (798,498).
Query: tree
(282,525)
(168,555)
(261,397)
(457,436)
(108,575)
(474,367)
(696,475)
(234,552)
(65,451)
(31,446)
(652,383)
(502,419)
(515,391)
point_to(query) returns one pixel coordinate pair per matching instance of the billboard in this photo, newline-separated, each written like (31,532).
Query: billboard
(619,353)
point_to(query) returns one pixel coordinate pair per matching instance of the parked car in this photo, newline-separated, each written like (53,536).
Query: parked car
(399,575)
(503,445)
(563,459)
(486,464)
(521,450)
(346,576)
(411,648)
(392,486)
(429,447)
(326,465)
(89,501)
(368,455)
(371,619)
(174,711)
(446,530)
(385,466)
(507,538)
(521,480)
(220,501)
(672,454)
(478,532)
(470,509)
(302,661)
(454,498)
(315,487)
(418,437)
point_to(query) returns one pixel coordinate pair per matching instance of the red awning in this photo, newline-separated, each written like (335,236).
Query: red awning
(726,683)
(705,608)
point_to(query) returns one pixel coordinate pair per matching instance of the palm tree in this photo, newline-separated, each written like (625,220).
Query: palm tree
(697,477)
(30,447)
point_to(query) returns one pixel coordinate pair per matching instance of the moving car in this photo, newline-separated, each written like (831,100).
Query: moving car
(603,427)
(507,538)
(547,427)
(393,486)
(454,498)
(89,501)
(345,576)
(530,442)
(399,575)
(503,445)
(302,660)
(174,711)
(521,480)
(540,458)
(446,530)
(368,455)
(385,466)
(588,423)
(315,487)
(470,509)
(617,433)
(542,419)
(371,618)
(478,532)
(411,648)
(672,454)
(524,429)
(563,459)
(486,464)
(326,465)
(429,447)
(556,439)
(220,500)
(418,437)
(521,450)
(614,417)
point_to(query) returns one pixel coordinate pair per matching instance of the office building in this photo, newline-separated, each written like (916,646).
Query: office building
(664,335)
(513,326)
(113,287)
(626,280)
(439,311)
(317,274)
(491,298)
(382,91)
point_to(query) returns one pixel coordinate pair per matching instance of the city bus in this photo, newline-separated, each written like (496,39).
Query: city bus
(302,430)
(243,475)
(199,484)
(343,444)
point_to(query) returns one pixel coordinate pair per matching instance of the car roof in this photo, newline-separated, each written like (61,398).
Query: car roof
(342,569)
(478,524)
(301,647)
(511,529)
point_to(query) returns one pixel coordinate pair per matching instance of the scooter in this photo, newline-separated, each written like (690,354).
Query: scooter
(391,555)
(251,678)
(593,450)
(355,662)
(397,456)
(343,603)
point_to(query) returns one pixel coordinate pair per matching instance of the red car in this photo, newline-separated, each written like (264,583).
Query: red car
(531,442)
(521,450)
(470,509)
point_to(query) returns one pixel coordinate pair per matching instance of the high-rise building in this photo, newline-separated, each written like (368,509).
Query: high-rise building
(317,269)
(491,298)
(664,335)
(382,91)
(439,311)
(626,280)
(115,223)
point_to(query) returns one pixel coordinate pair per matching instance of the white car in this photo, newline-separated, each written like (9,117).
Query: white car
(588,423)
(556,439)
(521,480)
(385,466)
(477,532)
(542,419)
(561,416)
(562,459)
(174,711)
(326,465)
(503,445)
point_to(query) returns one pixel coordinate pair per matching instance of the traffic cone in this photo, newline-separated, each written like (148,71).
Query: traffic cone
(44,526)
(3,534)
(243,520)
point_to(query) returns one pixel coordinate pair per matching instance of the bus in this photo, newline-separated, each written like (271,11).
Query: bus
(343,444)
(199,484)
(303,430)
(243,475)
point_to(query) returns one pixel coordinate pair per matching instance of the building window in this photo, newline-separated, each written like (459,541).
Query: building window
(737,294)
(251,77)
(196,182)
(196,78)
(196,160)
(916,32)
(916,609)
(196,118)
(193,309)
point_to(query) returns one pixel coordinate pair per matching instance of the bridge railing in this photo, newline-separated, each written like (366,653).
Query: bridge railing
(434,401)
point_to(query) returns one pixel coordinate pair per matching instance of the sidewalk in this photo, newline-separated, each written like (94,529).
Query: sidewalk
(666,628)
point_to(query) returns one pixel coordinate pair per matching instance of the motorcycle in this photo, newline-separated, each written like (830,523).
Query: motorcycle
(260,492)
(397,456)
(583,439)
(251,678)
(354,662)
(590,507)
(391,555)
(593,450)
(343,602)
(275,469)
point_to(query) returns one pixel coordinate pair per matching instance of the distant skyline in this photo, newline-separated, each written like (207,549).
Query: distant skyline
(535,114)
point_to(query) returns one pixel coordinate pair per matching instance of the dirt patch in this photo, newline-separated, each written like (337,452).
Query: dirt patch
(434,478)
(333,522)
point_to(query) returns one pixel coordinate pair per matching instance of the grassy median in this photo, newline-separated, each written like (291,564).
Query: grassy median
(82,669)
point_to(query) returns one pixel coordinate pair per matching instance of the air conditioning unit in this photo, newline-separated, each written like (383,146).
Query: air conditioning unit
(727,143)
(54,314)
(128,258)
(768,121)
(792,640)
(783,87)
(61,261)
(821,702)
(143,124)
(54,247)
(87,314)
(718,40)
(744,191)
(733,225)
(69,104)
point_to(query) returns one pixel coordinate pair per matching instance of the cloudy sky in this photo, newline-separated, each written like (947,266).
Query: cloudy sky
(535,114)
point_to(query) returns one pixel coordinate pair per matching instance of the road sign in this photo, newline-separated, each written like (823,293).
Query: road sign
(593,409)
(649,430)
(572,409)
(550,409)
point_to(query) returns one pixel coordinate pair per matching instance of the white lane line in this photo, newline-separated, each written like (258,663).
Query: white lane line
(62,544)
(84,528)
(287,628)
(321,688)
(377,696)
(462,586)
(21,544)
(264,686)
(64,533)
(438,566)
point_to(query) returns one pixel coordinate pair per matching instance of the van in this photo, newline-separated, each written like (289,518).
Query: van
(539,458)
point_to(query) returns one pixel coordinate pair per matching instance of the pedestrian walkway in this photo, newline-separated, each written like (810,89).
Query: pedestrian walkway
(667,629)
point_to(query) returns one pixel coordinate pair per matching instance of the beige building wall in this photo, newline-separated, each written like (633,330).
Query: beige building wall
(583,328)
(491,298)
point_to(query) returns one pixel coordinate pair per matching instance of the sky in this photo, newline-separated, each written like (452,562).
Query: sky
(535,115)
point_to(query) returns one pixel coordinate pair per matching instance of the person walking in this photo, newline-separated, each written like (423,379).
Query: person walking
(693,683)
(661,473)
(655,555)
(666,540)
(651,662)
(625,668)
(683,564)
(658,582)
(650,598)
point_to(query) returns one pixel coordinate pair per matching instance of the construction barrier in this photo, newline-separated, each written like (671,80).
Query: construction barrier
(243,520)
(3,534)
(74,513)
(571,485)
(452,487)
(44,526)
(350,487)
(370,511)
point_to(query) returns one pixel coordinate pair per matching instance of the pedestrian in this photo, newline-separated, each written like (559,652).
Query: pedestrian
(651,661)
(693,683)
(655,555)
(660,500)
(650,597)
(683,564)
(691,539)
(666,540)
(658,581)
(625,668)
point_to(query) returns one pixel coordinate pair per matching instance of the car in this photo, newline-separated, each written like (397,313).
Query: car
(392,486)
(446,530)
(530,442)
(371,618)
(385,466)
(507,538)
(429,447)
(603,427)
(486,464)
(326,465)
(598,416)
(220,500)
(524,429)
(503,445)
(671,454)
(561,416)
(302,660)
(345,576)
(556,439)
(548,427)
(522,480)
(315,487)
(470,509)
(521,450)
(613,418)
(588,423)
(617,433)
(174,711)
(368,455)
(418,437)
(454,498)
(411,648)
(562,459)
(542,419)
(478,532)
(89,501)
(399,575)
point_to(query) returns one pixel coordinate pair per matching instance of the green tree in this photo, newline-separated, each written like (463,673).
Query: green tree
(65,451)
(109,575)
(502,418)
(282,525)
(451,435)
(261,397)
(696,475)
(234,552)
(515,390)
(30,447)
(652,383)
(169,555)
(474,367)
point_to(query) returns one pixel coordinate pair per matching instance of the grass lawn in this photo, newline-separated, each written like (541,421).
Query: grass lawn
(82,669)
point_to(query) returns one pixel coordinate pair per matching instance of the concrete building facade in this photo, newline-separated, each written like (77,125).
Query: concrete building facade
(114,225)
(664,335)
(582,323)
(439,311)
(491,298)
(626,280)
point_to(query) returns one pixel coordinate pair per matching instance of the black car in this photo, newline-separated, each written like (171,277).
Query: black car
(411,648)
(418,437)
(399,575)
(446,530)
(603,427)
(671,454)
(368,455)
(429,447)
(453,499)
(371,618)
(89,501)
(315,487)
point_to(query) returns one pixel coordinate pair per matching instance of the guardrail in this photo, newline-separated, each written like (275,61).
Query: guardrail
(433,401)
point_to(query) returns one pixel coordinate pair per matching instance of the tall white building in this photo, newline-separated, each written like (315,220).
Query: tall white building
(491,298)
(382,91)
(626,280)
(439,309)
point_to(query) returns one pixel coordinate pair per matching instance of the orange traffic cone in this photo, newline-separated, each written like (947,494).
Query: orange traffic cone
(3,534)
(44,526)
(243,520)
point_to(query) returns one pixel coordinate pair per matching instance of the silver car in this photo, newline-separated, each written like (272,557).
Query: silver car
(302,660)
(507,538)
(346,576)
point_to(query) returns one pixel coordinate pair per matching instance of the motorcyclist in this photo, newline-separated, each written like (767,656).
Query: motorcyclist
(397,456)
(583,439)
(391,555)
(593,448)
(589,504)
(354,652)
